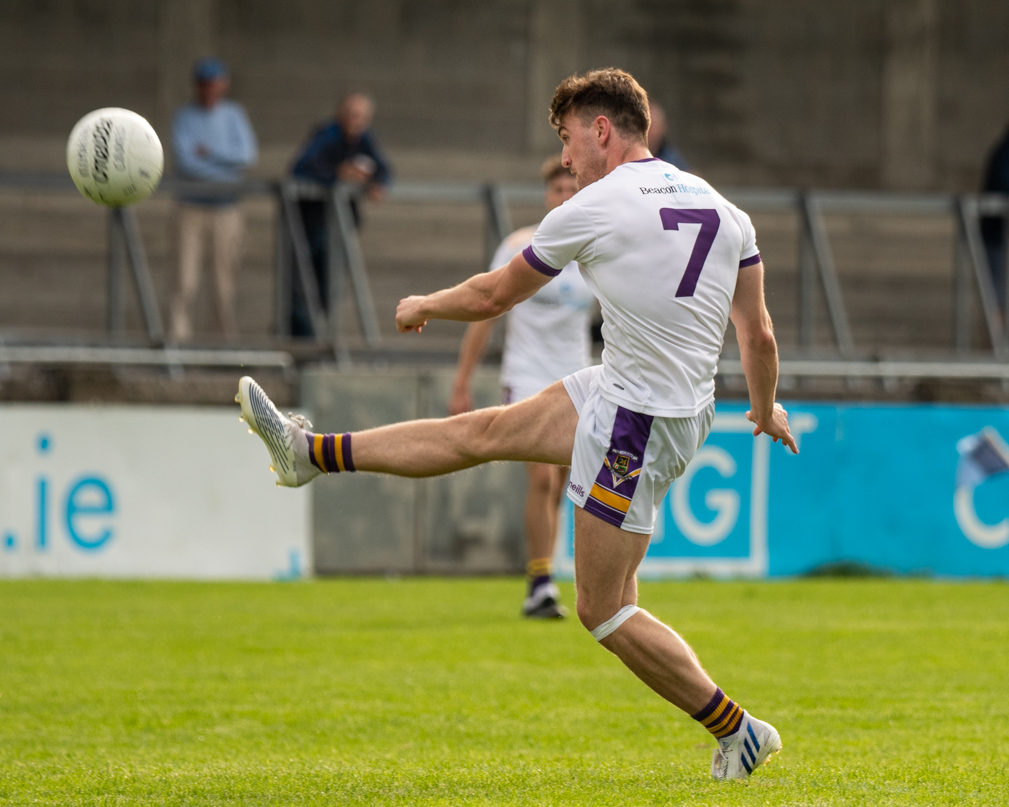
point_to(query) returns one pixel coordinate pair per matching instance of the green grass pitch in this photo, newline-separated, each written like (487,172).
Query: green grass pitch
(433,691)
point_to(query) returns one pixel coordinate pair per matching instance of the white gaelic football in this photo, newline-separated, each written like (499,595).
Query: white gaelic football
(115,157)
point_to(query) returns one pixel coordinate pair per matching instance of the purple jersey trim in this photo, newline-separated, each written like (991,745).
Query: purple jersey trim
(537,264)
(750,261)
(647,160)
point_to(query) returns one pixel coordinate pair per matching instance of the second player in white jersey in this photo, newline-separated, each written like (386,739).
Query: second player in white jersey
(547,336)
(665,296)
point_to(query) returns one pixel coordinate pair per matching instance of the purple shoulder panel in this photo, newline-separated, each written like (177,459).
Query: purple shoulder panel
(533,260)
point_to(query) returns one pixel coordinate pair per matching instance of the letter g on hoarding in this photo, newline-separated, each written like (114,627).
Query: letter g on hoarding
(724,502)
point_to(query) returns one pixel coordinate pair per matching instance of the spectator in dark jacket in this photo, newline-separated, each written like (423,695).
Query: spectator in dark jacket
(996,180)
(341,150)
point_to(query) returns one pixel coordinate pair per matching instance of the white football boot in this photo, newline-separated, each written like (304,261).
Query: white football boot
(284,436)
(544,603)
(751,746)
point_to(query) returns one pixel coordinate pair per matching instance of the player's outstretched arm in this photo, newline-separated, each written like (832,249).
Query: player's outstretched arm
(483,296)
(758,352)
(474,342)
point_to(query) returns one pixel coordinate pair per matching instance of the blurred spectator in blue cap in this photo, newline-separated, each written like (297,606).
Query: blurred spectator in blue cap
(213,141)
(344,150)
(209,69)
(658,143)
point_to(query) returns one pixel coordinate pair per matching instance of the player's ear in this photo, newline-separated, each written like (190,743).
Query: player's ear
(602,129)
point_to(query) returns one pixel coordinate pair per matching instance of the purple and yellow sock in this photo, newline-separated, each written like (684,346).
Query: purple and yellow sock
(538,573)
(330,453)
(721,716)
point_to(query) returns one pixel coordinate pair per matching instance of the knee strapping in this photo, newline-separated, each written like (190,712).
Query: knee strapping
(614,622)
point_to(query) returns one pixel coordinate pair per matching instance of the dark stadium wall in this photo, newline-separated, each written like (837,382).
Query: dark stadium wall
(900,94)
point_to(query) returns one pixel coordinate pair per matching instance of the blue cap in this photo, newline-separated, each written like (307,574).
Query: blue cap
(209,69)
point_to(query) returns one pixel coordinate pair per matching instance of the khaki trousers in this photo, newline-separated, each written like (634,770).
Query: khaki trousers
(223,225)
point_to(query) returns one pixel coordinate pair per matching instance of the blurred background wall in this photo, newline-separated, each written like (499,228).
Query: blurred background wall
(904,94)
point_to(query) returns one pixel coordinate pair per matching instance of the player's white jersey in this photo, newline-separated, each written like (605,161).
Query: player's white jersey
(547,336)
(661,249)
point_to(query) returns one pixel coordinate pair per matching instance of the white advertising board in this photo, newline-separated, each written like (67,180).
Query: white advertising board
(143,492)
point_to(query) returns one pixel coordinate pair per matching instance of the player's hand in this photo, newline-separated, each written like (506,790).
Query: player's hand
(350,172)
(409,316)
(460,401)
(776,426)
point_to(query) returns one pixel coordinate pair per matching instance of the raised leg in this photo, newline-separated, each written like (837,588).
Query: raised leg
(538,429)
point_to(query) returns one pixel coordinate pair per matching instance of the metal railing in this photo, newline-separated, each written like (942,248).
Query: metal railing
(294,271)
(816,263)
(346,262)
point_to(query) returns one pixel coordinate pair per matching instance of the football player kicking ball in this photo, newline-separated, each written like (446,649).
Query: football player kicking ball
(547,338)
(671,262)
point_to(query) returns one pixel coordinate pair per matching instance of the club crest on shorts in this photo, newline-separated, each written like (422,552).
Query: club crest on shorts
(620,467)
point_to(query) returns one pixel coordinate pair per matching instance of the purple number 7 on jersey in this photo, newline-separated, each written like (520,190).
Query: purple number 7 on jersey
(672,218)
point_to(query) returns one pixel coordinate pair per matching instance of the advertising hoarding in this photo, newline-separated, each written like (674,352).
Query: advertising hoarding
(918,489)
(143,492)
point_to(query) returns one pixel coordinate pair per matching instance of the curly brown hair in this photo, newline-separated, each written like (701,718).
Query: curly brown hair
(611,92)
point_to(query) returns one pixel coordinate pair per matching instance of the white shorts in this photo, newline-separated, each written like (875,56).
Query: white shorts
(624,462)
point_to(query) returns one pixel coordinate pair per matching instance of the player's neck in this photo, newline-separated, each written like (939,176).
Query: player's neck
(632,153)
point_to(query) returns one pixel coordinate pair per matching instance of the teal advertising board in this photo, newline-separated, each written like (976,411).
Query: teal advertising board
(918,489)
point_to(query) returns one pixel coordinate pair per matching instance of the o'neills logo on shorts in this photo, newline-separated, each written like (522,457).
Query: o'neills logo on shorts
(576,488)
